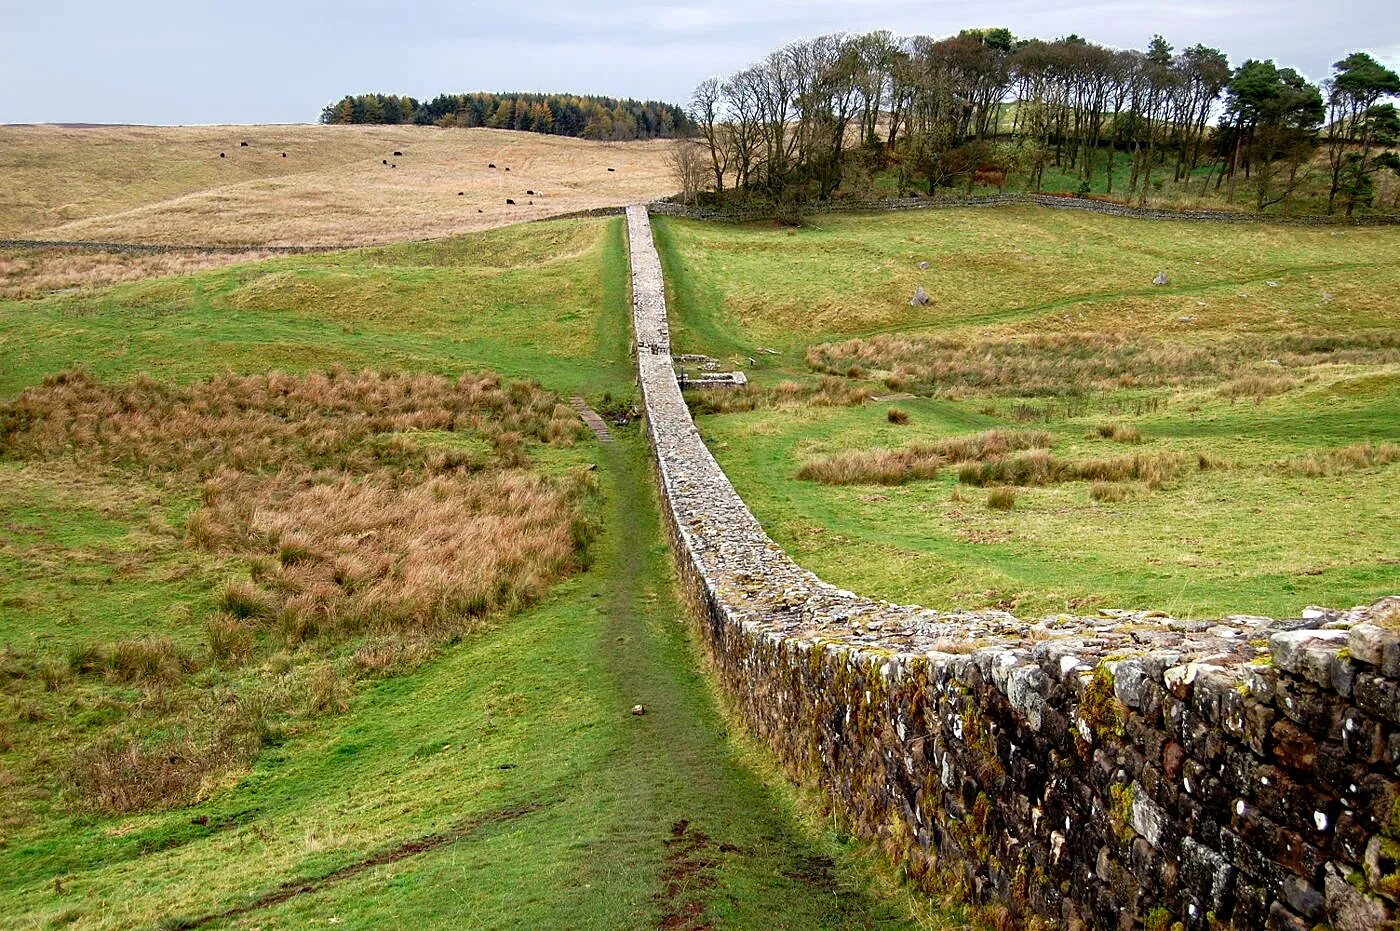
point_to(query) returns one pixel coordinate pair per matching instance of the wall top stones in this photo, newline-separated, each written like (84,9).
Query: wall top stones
(743,565)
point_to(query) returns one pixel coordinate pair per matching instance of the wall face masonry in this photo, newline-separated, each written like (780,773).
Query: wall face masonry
(1133,771)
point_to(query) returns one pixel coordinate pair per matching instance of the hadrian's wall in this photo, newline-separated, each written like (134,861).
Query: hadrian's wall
(1126,772)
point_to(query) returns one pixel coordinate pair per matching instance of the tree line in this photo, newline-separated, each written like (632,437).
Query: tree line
(973,108)
(584,116)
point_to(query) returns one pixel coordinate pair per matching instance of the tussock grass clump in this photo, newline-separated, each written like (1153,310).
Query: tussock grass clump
(1110,492)
(124,774)
(1001,499)
(148,660)
(1118,433)
(1351,458)
(1068,364)
(917,461)
(1041,468)
(897,416)
(1256,386)
(831,392)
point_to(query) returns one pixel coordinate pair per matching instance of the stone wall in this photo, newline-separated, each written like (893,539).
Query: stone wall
(1054,201)
(1117,772)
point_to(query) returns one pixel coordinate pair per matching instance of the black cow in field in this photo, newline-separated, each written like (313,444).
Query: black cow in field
(284,154)
(398,153)
(221,155)
(612,169)
(491,165)
(509,201)
(243,144)
(383,161)
(530,192)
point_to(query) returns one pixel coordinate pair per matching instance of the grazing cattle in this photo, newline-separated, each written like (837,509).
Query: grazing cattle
(509,201)
(491,165)
(395,165)
(398,153)
(529,192)
(612,169)
(221,155)
(284,154)
(532,203)
(479,210)
(507,169)
(383,161)
(243,144)
(460,193)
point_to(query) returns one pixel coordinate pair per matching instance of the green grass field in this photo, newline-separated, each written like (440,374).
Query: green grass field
(1225,379)
(504,782)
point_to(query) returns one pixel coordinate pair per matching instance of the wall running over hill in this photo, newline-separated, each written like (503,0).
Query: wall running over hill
(1125,772)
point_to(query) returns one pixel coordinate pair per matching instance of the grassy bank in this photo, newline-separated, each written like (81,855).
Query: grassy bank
(1180,419)
(495,778)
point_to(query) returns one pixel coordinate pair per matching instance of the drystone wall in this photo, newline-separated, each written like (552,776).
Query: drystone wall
(1054,201)
(1132,771)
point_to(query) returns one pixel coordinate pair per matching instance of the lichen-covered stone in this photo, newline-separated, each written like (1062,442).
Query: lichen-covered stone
(1098,771)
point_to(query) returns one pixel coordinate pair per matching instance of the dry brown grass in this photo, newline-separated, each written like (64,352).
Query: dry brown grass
(1039,467)
(1257,386)
(917,461)
(393,509)
(1060,364)
(258,422)
(168,184)
(1118,433)
(28,273)
(1352,458)
(831,392)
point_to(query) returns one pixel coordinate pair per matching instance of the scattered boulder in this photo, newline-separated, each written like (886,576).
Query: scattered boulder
(638,709)
(1272,284)
(923,266)
(920,298)
(1160,278)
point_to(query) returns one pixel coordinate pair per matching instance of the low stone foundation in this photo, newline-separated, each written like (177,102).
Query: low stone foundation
(1053,201)
(1132,771)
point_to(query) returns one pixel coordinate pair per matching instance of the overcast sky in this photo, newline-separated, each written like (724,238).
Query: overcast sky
(266,61)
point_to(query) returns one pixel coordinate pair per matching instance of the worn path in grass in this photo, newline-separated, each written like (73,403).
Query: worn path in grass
(505,784)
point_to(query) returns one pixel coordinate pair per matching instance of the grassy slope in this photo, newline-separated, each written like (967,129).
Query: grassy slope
(168,184)
(519,740)
(1199,547)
